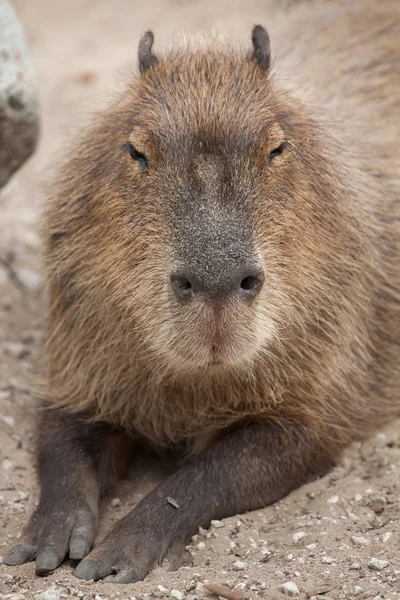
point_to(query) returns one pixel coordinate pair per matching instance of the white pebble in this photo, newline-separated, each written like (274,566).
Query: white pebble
(333,499)
(217,524)
(200,546)
(176,595)
(12,597)
(378,565)
(298,536)
(162,589)
(115,502)
(7,464)
(358,497)
(52,593)
(327,560)
(386,536)
(239,565)
(311,546)
(290,589)
(355,567)
(359,541)
(356,590)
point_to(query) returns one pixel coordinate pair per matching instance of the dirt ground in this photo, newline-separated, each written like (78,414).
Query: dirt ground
(323,536)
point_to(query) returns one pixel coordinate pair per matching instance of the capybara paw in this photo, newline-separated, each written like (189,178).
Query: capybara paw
(52,535)
(129,553)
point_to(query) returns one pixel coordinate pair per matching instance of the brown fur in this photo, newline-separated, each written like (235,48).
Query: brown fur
(263,390)
(321,342)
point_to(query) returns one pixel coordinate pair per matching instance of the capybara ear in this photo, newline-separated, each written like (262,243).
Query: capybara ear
(146,57)
(262,47)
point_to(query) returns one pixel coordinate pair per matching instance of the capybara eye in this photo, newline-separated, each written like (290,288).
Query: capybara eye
(276,152)
(139,157)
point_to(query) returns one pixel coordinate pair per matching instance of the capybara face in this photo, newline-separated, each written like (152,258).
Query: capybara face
(216,218)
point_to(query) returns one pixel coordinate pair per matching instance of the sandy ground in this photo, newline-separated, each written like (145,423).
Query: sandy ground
(323,536)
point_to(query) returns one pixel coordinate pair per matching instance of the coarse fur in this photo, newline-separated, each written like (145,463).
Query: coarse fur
(223,264)
(321,341)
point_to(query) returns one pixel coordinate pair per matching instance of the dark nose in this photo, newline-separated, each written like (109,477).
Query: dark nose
(243,282)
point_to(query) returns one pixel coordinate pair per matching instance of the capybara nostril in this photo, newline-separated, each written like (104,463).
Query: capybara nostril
(251,284)
(182,286)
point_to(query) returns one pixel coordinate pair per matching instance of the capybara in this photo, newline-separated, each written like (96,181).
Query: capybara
(222,253)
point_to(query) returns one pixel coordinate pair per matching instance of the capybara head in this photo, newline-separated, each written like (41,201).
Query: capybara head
(205,210)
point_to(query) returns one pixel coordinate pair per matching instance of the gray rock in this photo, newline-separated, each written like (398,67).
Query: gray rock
(359,541)
(239,565)
(18,102)
(176,595)
(290,589)
(356,590)
(378,565)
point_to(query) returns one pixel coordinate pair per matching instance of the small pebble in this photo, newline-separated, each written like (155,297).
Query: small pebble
(52,593)
(239,565)
(356,590)
(217,524)
(177,595)
(7,464)
(298,536)
(200,546)
(115,502)
(290,589)
(311,546)
(378,506)
(355,567)
(386,536)
(327,560)
(375,564)
(160,592)
(359,541)
(333,499)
